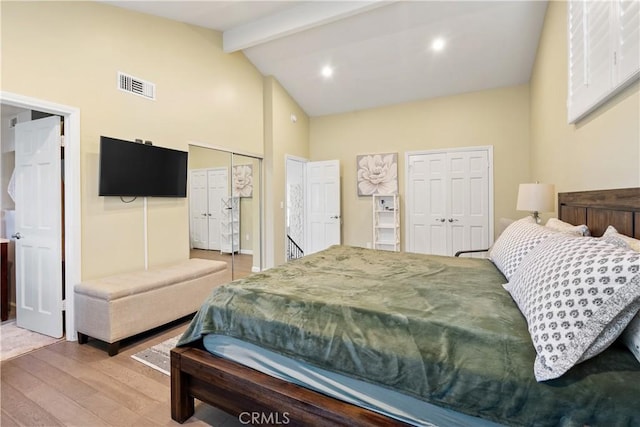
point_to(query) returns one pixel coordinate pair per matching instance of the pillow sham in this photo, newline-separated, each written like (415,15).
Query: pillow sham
(515,242)
(611,232)
(565,227)
(631,335)
(577,295)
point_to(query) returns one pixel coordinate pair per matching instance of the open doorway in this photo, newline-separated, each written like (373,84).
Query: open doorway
(32,201)
(70,186)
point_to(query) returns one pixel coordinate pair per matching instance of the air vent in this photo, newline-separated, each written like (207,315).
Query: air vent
(136,86)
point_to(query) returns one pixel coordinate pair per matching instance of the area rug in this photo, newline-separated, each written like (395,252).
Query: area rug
(157,357)
(15,341)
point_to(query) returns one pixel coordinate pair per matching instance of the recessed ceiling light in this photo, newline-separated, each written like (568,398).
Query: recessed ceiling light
(438,44)
(327,71)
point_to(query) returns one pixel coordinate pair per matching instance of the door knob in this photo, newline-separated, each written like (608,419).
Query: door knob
(453,220)
(440,219)
(17,236)
(335,217)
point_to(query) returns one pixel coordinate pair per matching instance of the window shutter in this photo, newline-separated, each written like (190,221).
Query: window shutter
(628,53)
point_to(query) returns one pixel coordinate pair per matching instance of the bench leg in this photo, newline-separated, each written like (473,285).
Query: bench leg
(82,338)
(114,347)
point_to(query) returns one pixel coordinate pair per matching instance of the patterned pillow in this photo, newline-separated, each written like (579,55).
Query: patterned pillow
(577,295)
(515,242)
(565,227)
(631,335)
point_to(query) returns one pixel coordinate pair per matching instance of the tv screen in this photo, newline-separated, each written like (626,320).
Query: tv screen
(134,169)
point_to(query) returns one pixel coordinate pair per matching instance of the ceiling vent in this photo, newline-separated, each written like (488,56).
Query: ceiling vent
(136,86)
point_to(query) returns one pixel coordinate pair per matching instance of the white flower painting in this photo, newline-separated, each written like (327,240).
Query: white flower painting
(377,174)
(242,180)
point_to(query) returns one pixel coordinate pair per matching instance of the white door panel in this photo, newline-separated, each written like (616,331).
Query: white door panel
(448,205)
(39,226)
(207,188)
(198,209)
(323,205)
(218,185)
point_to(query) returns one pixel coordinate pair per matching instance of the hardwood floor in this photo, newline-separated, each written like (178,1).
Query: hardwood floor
(71,384)
(241,263)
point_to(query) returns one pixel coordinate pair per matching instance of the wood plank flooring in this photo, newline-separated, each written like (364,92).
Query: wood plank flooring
(67,384)
(241,263)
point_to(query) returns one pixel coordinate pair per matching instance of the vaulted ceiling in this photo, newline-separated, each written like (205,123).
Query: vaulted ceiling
(377,52)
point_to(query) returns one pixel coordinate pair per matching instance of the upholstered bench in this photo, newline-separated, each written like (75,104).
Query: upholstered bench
(117,307)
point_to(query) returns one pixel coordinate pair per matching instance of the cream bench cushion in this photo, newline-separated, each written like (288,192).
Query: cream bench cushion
(116,307)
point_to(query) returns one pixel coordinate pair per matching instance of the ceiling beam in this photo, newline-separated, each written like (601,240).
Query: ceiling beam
(290,21)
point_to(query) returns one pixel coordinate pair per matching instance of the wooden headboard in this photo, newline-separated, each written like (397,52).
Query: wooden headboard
(600,208)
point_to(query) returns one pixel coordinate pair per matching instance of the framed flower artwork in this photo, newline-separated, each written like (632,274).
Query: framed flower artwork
(242,181)
(377,174)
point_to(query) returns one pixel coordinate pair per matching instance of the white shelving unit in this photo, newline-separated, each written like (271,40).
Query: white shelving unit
(386,222)
(230,225)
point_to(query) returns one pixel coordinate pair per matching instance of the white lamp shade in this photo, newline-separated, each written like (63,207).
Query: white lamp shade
(536,197)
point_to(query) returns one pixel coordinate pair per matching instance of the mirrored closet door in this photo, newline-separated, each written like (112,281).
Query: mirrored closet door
(225,208)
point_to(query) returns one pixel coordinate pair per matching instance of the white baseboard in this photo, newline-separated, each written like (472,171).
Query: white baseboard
(255,269)
(246,251)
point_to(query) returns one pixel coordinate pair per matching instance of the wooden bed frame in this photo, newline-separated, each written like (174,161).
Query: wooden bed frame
(236,389)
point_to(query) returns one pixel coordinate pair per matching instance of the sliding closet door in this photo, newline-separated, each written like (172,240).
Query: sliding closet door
(449,199)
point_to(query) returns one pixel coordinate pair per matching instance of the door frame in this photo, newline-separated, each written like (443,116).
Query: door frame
(72,199)
(487,148)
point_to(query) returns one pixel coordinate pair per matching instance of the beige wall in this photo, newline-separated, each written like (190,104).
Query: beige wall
(602,150)
(282,137)
(70,53)
(499,118)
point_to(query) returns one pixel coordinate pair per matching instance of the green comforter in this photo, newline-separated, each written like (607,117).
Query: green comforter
(441,329)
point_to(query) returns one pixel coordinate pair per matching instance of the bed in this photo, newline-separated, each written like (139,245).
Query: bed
(496,342)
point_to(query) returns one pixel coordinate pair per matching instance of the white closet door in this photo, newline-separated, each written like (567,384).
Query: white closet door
(448,201)
(218,189)
(198,209)
(468,200)
(427,229)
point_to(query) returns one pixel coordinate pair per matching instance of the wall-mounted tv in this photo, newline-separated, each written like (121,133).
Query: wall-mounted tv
(134,169)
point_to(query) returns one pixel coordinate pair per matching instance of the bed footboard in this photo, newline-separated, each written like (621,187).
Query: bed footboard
(256,397)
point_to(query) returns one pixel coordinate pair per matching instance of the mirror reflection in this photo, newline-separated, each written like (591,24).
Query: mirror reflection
(224,209)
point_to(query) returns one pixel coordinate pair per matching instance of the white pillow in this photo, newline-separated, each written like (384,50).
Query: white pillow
(577,294)
(631,335)
(515,242)
(565,227)
(611,232)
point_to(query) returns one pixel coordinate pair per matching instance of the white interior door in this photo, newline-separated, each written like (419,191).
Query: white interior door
(198,209)
(449,201)
(468,200)
(218,179)
(323,205)
(427,226)
(38,226)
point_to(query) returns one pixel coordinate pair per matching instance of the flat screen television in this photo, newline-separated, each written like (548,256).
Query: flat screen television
(134,169)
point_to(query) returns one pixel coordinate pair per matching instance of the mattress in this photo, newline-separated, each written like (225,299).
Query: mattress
(360,393)
(438,329)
